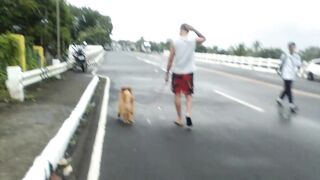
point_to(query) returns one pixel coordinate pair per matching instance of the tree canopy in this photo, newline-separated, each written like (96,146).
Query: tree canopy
(36,19)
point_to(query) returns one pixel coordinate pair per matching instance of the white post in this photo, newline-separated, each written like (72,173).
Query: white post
(56,62)
(13,83)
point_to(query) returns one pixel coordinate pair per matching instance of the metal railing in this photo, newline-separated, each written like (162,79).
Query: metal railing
(17,80)
(253,63)
(246,62)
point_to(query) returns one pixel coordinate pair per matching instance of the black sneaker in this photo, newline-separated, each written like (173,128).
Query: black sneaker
(189,121)
(293,108)
(279,102)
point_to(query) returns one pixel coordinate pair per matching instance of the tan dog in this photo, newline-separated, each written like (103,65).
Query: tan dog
(126,105)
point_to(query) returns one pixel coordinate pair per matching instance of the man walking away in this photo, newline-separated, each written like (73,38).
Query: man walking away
(182,58)
(290,64)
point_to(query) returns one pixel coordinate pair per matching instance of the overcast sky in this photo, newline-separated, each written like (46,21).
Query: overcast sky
(223,22)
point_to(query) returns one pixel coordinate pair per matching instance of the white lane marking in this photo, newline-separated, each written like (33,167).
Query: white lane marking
(147,61)
(94,72)
(149,122)
(240,101)
(274,86)
(152,63)
(159,108)
(156,70)
(94,169)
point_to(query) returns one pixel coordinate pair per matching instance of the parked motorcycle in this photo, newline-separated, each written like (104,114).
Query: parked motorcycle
(80,58)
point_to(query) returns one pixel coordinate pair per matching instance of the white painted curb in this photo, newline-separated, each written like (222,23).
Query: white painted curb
(94,169)
(56,147)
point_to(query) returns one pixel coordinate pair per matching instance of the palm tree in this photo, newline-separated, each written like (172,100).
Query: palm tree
(257,46)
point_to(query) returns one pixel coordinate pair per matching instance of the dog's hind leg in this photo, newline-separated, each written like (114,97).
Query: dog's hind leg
(126,118)
(120,111)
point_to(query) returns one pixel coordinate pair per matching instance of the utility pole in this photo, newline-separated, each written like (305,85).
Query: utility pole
(58,30)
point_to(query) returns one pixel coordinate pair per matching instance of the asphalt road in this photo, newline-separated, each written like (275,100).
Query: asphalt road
(237,134)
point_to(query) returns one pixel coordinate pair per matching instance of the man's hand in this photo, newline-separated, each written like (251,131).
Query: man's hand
(166,78)
(200,38)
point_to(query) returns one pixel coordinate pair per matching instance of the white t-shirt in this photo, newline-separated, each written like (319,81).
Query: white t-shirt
(290,64)
(183,62)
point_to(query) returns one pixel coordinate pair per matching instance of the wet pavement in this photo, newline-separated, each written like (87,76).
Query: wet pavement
(237,134)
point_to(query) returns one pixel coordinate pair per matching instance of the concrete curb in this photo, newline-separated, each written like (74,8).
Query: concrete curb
(94,169)
(54,151)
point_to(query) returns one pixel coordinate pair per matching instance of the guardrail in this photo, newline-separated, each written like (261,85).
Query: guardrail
(17,80)
(55,149)
(251,63)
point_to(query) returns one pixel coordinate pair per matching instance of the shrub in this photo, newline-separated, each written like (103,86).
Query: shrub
(8,56)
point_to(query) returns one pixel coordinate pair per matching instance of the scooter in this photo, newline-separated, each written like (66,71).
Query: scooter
(80,58)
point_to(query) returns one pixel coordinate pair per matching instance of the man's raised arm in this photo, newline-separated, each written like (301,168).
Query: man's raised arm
(200,38)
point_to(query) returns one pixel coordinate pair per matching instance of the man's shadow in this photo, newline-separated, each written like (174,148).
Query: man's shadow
(284,114)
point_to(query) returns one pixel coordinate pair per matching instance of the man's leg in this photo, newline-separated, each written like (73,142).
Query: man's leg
(178,107)
(289,93)
(292,106)
(189,105)
(283,93)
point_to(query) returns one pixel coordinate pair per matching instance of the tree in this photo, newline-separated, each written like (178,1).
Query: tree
(274,53)
(201,49)
(256,46)
(86,19)
(18,16)
(36,19)
(239,50)
(139,43)
(310,53)
(95,35)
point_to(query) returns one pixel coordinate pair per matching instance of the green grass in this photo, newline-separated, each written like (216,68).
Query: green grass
(4,95)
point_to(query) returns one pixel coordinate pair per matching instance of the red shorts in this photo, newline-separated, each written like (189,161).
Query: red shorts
(182,83)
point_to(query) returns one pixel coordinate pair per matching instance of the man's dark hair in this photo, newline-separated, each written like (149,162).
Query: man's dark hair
(291,44)
(184,27)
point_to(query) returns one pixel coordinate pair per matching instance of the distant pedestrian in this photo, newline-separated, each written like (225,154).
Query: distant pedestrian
(182,59)
(290,63)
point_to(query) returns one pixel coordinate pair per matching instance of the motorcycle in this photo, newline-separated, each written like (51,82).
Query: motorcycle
(80,58)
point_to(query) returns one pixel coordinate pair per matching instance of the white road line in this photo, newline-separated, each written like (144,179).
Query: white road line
(159,108)
(240,101)
(151,63)
(94,72)
(274,86)
(148,120)
(94,169)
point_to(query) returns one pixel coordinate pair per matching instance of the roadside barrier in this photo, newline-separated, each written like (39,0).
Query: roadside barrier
(17,80)
(55,149)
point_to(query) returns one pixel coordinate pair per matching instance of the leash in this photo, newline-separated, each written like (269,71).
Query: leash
(156,98)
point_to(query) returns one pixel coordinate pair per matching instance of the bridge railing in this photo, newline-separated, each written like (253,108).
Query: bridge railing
(246,62)
(253,63)
(17,80)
